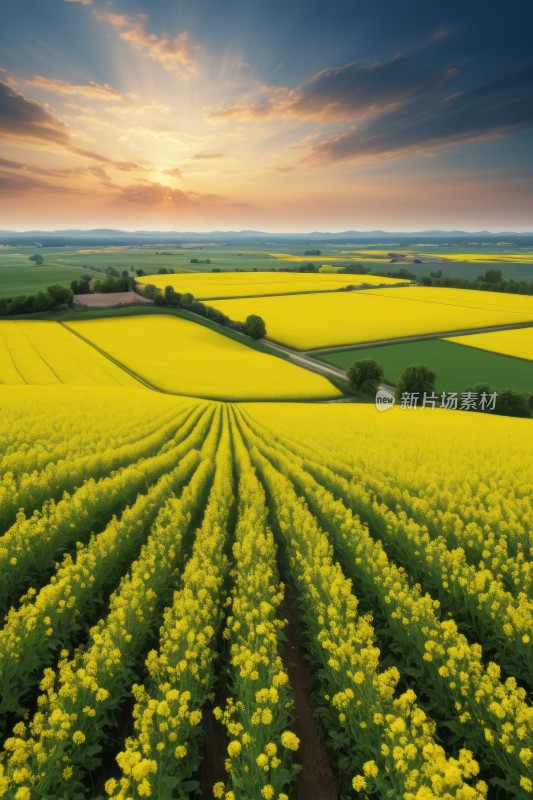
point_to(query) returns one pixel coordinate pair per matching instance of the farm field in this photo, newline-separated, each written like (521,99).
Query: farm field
(186,358)
(63,263)
(249,284)
(517,343)
(123,621)
(43,352)
(326,320)
(456,369)
(456,261)
(23,278)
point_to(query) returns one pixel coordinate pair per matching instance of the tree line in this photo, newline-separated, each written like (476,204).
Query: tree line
(53,297)
(491,281)
(253,326)
(366,375)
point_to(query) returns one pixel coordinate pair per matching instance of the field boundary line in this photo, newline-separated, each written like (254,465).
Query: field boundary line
(414,338)
(210,398)
(111,358)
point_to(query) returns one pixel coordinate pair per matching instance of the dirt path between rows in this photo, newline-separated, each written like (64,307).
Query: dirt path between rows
(316,781)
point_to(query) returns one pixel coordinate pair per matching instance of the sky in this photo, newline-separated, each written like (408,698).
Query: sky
(266,114)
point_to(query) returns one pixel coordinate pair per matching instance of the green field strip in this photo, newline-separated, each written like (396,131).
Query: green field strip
(457,366)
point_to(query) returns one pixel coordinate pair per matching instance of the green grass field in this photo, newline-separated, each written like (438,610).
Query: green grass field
(457,366)
(63,264)
(19,276)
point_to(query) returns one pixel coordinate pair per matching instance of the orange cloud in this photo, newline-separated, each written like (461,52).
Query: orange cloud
(171,52)
(92,89)
(206,156)
(155,194)
(352,91)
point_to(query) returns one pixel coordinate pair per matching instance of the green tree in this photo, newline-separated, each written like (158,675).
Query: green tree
(42,302)
(479,389)
(60,294)
(365,376)
(82,286)
(416,379)
(254,326)
(513,404)
(492,276)
(37,259)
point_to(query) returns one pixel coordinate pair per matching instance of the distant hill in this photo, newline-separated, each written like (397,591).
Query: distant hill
(108,236)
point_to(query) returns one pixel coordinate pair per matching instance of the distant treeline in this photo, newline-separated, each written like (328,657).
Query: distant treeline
(53,297)
(86,285)
(491,281)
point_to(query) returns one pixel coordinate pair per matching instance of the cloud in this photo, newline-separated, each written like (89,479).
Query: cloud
(13,182)
(92,89)
(153,194)
(81,2)
(18,177)
(354,89)
(499,107)
(202,156)
(409,103)
(173,173)
(173,53)
(27,119)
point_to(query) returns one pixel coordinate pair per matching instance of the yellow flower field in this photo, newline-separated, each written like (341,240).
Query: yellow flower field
(518,343)
(142,566)
(206,286)
(183,357)
(478,258)
(39,352)
(328,320)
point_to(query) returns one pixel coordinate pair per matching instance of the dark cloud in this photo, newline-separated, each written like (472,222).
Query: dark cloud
(498,107)
(359,88)
(19,179)
(20,182)
(26,119)
(352,90)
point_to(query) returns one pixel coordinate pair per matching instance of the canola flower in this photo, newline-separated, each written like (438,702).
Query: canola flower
(256,715)
(209,286)
(79,698)
(48,618)
(29,489)
(470,590)
(465,505)
(43,352)
(492,714)
(449,510)
(188,358)
(34,541)
(313,321)
(517,343)
(363,709)
(163,754)
(68,421)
